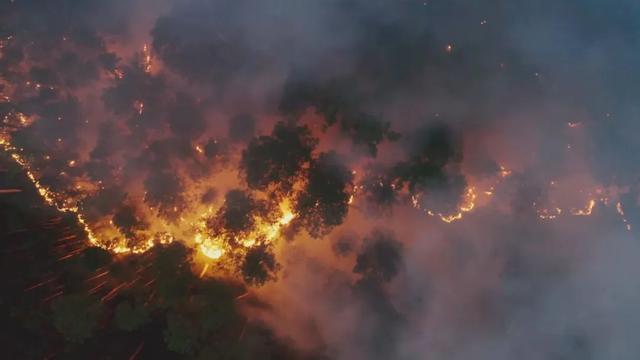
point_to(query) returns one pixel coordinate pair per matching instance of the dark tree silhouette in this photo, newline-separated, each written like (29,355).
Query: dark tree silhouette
(181,334)
(172,274)
(164,191)
(336,102)
(186,118)
(75,316)
(238,214)
(430,150)
(324,203)
(128,221)
(130,317)
(277,159)
(379,257)
(259,265)
(433,168)
(368,131)
(379,192)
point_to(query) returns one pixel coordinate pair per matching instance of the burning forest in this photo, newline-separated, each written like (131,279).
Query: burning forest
(343,179)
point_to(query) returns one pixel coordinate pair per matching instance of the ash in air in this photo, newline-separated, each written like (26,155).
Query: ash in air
(356,179)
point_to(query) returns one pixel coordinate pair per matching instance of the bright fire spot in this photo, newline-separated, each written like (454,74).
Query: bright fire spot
(619,209)
(504,172)
(624,219)
(118,74)
(286,218)
(212,252)
(468,204)
(216,248)
(139,106)
(546,214)
(552,214)
(146,59)
(209,248)
(586,211)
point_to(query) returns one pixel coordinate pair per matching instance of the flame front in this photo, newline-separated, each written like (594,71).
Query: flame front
(216,248)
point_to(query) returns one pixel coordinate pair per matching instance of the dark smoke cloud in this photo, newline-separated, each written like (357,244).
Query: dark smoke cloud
(202,41)
(379,258)
(242,127)
(333,101)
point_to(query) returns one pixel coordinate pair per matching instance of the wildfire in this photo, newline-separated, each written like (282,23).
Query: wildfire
(587,211)
(138,106)
(193,224)
(68,205)
(146,59)
(209,247)
(504,172)
(546,214)
(467,205)
(216,248)
(622,215)
(118,74)
(554,213)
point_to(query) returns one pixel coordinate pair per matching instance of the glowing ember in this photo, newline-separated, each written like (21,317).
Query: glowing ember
(587,211)
(622,215)
(146,59)
(545,214)
(467,205)
(139,106)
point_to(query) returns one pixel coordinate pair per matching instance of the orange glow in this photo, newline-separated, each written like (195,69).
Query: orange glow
(191,223)
(587,211)
(146,59)
(622,216)
(545,214)
(264,232)
(467,205)
(139,106)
